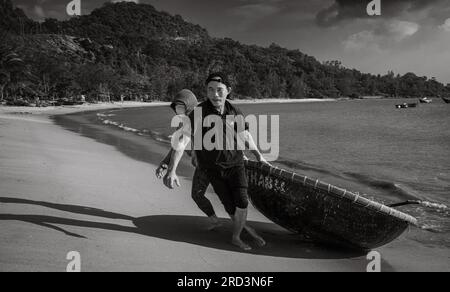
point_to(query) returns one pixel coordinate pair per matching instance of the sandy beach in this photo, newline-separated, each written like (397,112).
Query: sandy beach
(62,191)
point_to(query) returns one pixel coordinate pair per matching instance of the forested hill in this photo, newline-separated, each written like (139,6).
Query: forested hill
(135,50)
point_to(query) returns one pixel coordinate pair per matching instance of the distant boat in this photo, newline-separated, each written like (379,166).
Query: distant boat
(425,100)
(446,99)
(406,105)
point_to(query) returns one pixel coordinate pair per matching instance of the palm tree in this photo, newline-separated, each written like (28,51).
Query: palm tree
(11,65)
(4,79)
(4,75)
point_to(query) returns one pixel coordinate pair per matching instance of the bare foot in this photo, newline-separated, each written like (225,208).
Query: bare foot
(214,223)
(260,241)
(242,245)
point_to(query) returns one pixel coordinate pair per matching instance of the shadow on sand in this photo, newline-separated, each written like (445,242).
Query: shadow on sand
(187,229)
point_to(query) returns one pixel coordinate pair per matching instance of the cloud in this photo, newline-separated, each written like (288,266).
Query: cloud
(446,25)
(247,15)
(255,11)
(116,1)
(381,37)
(399,30)
(346,10)
(41,9)
(366,39)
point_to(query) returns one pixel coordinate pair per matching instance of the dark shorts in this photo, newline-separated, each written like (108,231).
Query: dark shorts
(231,186)
(200,183)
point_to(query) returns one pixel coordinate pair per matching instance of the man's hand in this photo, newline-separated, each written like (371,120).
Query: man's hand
(161,170)
(262,160)
(171,179)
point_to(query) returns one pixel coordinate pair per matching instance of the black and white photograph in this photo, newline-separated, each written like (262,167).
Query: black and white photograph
(224,143)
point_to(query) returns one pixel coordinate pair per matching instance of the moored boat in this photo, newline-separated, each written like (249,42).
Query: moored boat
(446,99)
(322,212)
(425,100)
(406,105)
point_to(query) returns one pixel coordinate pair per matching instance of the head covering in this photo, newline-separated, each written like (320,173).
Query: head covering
(184,102)
(218,77)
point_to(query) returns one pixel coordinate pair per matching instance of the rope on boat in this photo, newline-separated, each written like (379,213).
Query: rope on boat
(315,186)
(338,192)
(356,197)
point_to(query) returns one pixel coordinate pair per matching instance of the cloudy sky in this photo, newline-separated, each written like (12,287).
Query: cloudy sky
(409,36)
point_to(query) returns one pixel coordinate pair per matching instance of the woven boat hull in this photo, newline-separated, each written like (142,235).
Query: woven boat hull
(322,212)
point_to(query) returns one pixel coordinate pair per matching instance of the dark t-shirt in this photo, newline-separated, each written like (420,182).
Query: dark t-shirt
(223,158)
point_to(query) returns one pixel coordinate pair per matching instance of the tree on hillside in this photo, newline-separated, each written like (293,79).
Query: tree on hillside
(97,81)
(434,88)
(12,72)
(4,79)
(447,90)
(296,88)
